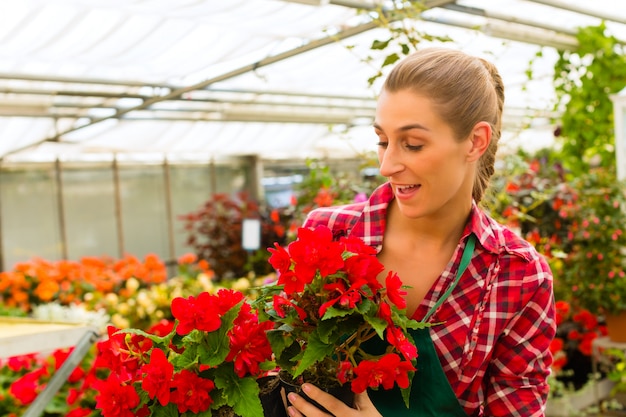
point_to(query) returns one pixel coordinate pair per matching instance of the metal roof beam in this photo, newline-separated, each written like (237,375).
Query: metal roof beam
(581,10)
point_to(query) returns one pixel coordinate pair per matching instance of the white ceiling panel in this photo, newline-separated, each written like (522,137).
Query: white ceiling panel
(89,78)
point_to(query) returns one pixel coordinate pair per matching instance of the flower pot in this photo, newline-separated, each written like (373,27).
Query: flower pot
(616,327)
(270,396)
(342,392)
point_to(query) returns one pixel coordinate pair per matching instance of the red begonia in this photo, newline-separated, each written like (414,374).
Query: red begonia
(200,313)
(396,295)
(26,388)
(116,399)
(279,259)
(249,345)
(157,377)
(385,372)
(315,250)
(191,392)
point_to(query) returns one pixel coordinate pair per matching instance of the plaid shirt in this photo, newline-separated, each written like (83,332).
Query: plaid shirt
(499,320)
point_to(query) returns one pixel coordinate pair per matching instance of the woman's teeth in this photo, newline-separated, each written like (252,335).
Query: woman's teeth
(405,188)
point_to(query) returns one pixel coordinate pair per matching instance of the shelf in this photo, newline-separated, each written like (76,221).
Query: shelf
(20,336)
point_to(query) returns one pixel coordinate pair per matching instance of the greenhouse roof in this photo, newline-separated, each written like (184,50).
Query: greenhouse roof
(282,79)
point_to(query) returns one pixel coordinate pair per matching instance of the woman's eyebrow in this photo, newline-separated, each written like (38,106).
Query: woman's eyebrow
(406,127)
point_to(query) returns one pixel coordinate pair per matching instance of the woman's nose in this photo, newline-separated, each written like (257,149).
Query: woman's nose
(389,161)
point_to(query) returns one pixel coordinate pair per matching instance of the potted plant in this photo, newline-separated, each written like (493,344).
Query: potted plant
(327,306)
(210,363)
(593,268)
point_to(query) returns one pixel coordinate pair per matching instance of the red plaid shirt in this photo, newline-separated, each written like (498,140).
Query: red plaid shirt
(499,320)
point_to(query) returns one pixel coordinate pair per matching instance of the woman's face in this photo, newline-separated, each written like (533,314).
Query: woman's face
(429,169)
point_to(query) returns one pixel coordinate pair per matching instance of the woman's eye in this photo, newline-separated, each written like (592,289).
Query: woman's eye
(382,144)
(414,147)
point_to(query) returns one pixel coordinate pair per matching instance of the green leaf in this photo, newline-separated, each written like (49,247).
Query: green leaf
(325,329)
(169,410)
(378,324)
(279,340)
(406,392)
(186,359)
(336,312)
(391,59)
(160,340)
(315,351)
(215,346)
(241,393)
(376,45)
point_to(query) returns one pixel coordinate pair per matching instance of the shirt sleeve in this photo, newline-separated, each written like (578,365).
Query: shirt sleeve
(517,375)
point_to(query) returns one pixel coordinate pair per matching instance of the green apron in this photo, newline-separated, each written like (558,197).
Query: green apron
(431,393)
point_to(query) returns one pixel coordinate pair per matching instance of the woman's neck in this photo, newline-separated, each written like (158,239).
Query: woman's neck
(441,230)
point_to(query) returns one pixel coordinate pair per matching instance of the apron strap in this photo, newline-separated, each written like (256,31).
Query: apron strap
(465,260)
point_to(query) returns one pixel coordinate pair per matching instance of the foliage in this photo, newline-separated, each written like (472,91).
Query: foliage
(326,304)
(215,234)
(402,34)
(135,300)
(617,373)
(211,359)
(584,79)
(593,268)
(530,195)
(576,223)
(572,347)
(22,378)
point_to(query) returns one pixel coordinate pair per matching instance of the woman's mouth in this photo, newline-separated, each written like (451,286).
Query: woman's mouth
(406,189)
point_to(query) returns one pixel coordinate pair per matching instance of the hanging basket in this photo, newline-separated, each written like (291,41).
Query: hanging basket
(616,327)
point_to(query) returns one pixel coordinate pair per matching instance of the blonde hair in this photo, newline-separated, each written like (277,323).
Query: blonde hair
(465,90)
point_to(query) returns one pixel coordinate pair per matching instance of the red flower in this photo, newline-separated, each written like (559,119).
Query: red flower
(280,302)
(387,371)
(162,328)
(279,259)
(562,311)
(249,345)
(158,376)
(79,412)
(113,354)
(25,362)
(292,282)
(556,345)
(115,399)
(191,393)
(345,299)
(344,374)
(315,250)
(324,197)
(26,388)
(200,313)
(585,343)
(587,319)
(394,292)
(227,299)
(384,312)
(363,265)
(397,338)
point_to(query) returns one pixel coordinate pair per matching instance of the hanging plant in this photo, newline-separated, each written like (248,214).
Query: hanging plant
(584,80)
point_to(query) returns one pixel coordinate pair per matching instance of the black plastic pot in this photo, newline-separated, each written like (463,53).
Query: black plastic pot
(271,399)
(342,392)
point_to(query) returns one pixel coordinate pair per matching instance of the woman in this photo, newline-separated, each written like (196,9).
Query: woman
(438,121)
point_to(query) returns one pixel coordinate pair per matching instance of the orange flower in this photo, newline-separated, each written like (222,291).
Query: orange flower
(46,290)
(187,258)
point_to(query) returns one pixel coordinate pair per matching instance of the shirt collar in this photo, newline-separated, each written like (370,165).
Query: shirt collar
(479,223)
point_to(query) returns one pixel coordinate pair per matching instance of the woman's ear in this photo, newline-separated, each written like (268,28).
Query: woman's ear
(480,138)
